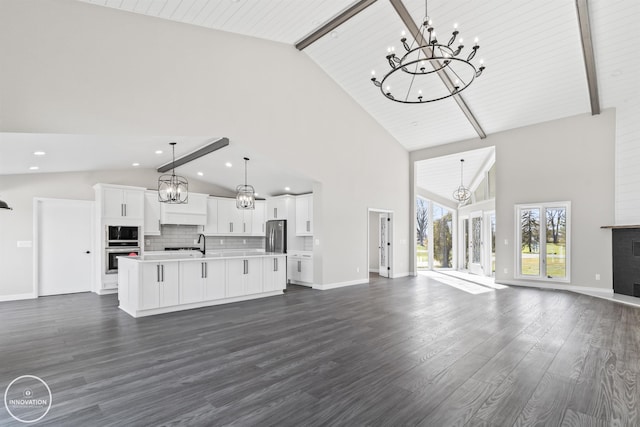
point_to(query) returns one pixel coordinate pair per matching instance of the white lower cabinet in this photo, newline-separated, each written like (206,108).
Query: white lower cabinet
(159,286)
(244,276)
(201,280)
(300,268)
(274,273)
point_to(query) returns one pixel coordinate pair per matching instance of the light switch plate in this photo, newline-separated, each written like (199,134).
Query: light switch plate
(24,243)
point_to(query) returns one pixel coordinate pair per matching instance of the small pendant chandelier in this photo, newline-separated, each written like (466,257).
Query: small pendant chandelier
(245,197)
(462,194)
(173,188)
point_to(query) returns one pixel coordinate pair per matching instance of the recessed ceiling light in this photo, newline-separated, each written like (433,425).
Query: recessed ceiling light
(200,174)
(34,168)
(158,151)
(334,34)
(39,153)
(287,189)
(228,164)
(135,164)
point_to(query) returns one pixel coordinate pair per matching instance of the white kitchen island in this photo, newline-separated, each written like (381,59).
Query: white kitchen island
(162,283)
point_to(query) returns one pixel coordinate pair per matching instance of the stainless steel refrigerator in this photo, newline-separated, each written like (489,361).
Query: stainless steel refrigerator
(276,236)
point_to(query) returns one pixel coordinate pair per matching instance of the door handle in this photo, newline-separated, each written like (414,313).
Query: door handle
(231,227)
(87,252)
(158,273)
(309,226)
(202,270)
(244,227)
(162,270)
(275,264)
(299,266)
(206,270)
(275,212)
(121,209)
(245,266)
(125,209)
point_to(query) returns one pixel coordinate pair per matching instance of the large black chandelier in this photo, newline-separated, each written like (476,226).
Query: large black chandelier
(417,76)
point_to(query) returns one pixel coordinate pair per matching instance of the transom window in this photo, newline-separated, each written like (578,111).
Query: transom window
(542,233)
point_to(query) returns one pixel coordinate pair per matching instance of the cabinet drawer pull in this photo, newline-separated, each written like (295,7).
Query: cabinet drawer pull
(299,266)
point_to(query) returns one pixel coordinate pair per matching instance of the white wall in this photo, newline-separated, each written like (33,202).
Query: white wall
(374,219)
(17,225)
(567,159)
(71,67)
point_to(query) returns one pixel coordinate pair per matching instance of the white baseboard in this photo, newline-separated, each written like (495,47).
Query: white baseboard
(106,291)
(374,270)
(596,292)
(17,297)
(397,275)
(328,286)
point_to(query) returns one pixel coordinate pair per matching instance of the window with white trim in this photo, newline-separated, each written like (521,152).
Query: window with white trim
(542,233)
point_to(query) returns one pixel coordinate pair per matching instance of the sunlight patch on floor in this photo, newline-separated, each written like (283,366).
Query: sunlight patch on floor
(460,284)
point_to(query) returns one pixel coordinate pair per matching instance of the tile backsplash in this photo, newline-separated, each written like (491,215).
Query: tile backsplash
(185,235)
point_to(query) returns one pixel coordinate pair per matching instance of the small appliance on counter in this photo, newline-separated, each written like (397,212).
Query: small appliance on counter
(276,236)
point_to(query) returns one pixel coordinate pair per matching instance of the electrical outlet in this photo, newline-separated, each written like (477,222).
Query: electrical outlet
(147,242)
(195,241)
(505,271)
(317,242)
(597,276)
(221,242)
(244,241)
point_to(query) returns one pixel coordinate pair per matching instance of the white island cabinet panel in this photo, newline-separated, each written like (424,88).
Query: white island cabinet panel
(158,285)
(215,278)
(192,281)
(274,274)
(162,283)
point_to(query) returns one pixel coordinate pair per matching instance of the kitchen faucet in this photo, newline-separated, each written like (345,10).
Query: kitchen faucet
(204,245)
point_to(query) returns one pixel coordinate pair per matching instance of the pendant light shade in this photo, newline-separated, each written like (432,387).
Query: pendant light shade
(173,188)
(462,193)
(4,205)
(245,197)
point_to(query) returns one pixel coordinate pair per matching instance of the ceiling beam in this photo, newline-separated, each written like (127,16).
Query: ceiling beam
(408,21)
(334,23)
(209,148)
(587,52)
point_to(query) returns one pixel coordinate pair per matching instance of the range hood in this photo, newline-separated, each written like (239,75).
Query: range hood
(4,205)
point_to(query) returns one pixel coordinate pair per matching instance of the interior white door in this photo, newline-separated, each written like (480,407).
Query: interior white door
(476,238)
(65,246)
(383,246)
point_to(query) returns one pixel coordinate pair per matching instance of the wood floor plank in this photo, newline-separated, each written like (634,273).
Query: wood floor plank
(408,351)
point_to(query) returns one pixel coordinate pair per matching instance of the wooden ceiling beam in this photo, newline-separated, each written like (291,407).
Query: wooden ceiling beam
(582,8)
(413,28)
(334,23)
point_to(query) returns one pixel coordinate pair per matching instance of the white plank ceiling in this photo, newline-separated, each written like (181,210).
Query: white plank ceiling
(535,69)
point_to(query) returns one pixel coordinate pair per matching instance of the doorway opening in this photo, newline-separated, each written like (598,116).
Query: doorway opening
(453,235)
(380,242)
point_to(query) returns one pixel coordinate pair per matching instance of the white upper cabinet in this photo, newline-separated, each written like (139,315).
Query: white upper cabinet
(211,227)
(192,213)
(304,215)
(151,213)
(280,207)
(258,227)
(230,218)
(120,204)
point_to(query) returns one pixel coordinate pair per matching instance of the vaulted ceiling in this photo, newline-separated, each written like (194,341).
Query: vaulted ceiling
(532,50)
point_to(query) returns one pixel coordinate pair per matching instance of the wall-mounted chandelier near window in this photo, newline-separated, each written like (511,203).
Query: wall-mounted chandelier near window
(173,188)
(428,70)
(245,194)
(462,193)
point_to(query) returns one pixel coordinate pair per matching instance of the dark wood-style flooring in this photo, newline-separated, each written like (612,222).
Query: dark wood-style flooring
(397,352)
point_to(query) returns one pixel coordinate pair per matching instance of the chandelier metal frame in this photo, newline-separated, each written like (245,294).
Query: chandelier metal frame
(439,56)
(462,193)
(245,194)
(172,188)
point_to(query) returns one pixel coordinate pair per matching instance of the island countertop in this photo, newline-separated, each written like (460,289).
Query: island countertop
(198,256)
